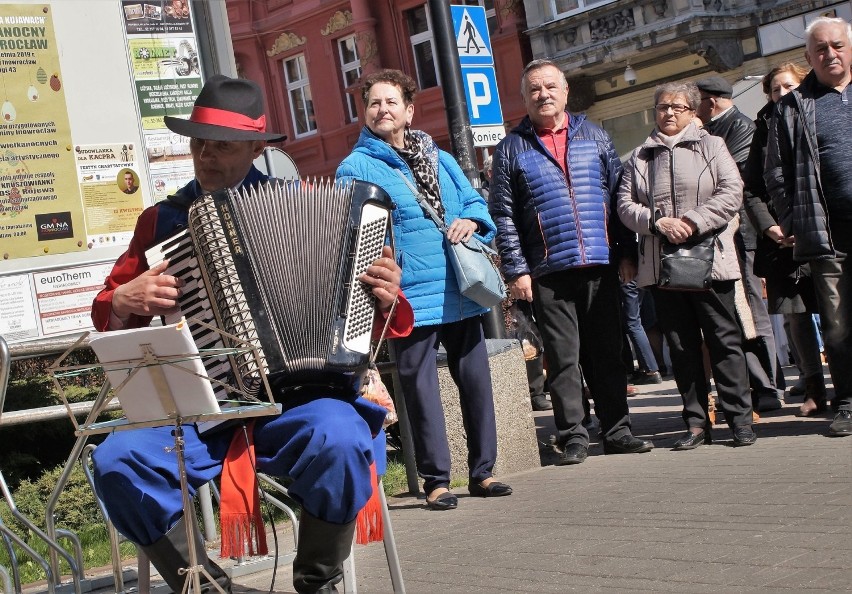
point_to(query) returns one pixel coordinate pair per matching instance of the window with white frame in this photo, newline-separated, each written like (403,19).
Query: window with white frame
(350,69)
(299,93)
(562,8)
(490,12)
(422,44)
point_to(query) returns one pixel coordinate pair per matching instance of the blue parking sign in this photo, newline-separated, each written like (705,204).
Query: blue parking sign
(483,99)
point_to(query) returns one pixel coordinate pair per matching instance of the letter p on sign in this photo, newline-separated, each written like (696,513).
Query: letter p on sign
(480,92)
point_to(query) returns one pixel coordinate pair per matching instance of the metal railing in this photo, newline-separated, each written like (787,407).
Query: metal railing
(75,562)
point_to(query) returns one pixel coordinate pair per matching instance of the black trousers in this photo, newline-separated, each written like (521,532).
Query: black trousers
(580,310)
(683,317)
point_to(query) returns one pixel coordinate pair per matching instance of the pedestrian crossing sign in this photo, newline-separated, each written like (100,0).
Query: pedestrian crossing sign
(471,32)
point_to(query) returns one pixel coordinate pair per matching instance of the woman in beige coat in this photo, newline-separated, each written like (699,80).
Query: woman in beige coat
(681,182)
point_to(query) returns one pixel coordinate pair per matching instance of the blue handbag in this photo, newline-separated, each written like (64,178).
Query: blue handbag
(476,274)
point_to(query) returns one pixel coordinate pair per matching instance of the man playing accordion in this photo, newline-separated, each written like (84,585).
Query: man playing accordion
(325,445)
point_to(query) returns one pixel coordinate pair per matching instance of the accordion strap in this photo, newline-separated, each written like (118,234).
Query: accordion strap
(384,332)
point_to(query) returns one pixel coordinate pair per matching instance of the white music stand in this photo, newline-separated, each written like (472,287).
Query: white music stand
(151,364)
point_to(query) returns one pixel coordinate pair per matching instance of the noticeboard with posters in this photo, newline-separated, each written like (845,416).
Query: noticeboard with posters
(83,148)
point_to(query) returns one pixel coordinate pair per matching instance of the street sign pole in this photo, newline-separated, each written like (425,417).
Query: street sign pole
(451,84)
(458,120)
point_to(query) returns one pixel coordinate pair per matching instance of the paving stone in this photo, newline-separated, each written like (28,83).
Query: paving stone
(773,517)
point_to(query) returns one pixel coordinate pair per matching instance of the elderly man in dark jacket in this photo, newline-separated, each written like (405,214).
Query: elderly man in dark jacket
(552,190)
(722,118)
(809,179)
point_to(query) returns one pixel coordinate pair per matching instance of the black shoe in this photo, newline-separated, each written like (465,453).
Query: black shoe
(627,444)
(744,435)
(798,388)
(768,403)
(691,440)
(573,453)
(842,425)
(641,378)
(540,403)
(442,502)
(494,489)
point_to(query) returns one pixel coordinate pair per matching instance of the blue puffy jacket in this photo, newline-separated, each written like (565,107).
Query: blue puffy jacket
(428,280)
(545,225)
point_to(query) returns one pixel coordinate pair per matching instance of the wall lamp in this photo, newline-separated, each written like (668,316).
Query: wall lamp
(629,74)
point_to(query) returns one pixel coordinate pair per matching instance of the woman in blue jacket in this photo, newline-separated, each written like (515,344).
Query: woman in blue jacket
(401,160)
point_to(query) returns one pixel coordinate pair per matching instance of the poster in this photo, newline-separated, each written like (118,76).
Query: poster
(110,185)
(156,16)
(40,209)
(18,315)
(167,78)
(64,297)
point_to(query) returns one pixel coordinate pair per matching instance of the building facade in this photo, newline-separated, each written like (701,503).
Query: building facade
(615,52)
(309,56)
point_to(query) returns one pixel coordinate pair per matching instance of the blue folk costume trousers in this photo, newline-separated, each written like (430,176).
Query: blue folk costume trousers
(324,446)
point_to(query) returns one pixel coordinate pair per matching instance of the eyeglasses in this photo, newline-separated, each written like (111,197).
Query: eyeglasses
(676,108)
(212,146)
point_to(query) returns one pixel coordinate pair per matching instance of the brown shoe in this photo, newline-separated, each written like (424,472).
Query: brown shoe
(812,407)
(815,397)
(711,408)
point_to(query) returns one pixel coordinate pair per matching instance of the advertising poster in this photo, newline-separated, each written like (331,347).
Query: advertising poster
(40,209)
(167,78)
(169,162)
(64,297)
(18,319)
(109,183)
(156,16)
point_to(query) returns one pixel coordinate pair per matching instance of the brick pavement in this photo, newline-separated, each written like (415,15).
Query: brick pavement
(771,517)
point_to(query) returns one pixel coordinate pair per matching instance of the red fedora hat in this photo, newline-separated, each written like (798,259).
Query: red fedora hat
(226,109)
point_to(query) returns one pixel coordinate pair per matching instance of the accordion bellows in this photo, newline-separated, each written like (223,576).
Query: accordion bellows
(279,265)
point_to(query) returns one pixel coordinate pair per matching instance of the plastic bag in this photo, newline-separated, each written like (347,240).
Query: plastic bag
(522,326)
(374,390)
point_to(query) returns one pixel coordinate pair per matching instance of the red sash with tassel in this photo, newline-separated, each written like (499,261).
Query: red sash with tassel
(243,533)
(369,526)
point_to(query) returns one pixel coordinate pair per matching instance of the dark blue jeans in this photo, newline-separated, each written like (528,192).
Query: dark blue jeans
(467,360)
(631,305)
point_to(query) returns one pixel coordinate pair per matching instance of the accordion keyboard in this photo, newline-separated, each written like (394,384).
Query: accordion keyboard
(194,302)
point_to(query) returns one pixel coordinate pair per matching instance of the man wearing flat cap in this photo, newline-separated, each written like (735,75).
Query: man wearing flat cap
(325,446)
(722,118)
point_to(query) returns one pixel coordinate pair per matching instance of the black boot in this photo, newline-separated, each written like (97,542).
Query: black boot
(171,554)
(323,547)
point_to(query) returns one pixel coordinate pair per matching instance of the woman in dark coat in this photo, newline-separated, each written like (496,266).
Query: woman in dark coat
(789,288)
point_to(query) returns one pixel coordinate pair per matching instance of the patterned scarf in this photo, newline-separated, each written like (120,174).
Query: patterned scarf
(421,155)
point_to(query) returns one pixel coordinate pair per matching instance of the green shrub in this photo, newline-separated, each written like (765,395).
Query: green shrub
(76,509)
(27,449)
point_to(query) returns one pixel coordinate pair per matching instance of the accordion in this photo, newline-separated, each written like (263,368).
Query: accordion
(276,267)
